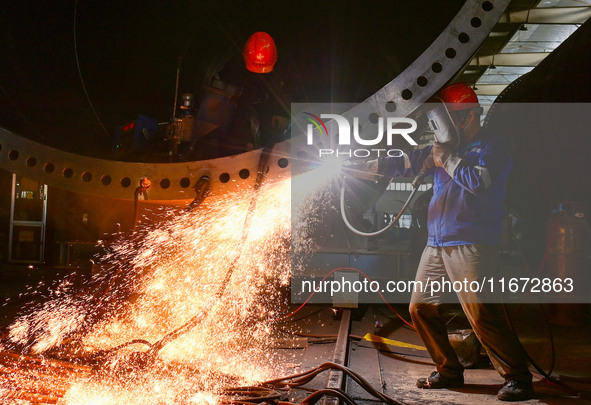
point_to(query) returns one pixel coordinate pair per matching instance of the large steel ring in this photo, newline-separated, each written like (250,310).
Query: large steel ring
(173,181)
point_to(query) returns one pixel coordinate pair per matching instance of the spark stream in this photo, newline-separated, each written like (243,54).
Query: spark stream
(357,286)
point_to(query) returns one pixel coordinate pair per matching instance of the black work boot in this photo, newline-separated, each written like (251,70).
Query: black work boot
(514,390)
(436,380)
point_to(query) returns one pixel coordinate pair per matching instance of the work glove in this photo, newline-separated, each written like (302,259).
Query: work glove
(444,157)
(440,154)
(428,163)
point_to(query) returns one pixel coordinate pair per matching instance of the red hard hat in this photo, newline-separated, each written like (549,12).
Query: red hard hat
(260,53)
(459,96)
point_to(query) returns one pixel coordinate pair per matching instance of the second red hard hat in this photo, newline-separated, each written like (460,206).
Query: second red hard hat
(260,53)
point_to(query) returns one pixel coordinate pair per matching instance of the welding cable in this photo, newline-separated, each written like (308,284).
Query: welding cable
(152,352)
(80,71)
(131,342)
(202,190)
(307,376)
(319,339)
(331,273)
(249,395)
(293,320)
(102,354)
(296,380)
(387,227)
(396,314)
(333,392)
(199,317)
(364,384)
(354,337)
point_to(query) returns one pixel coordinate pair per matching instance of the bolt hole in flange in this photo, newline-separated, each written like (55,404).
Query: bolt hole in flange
(184,182)
(49,168)
(422,81)
(390,106)
(406,94)
(224,177)
(86,177)
(13,154)
(106,180)
(125,182)
(464,38)
(68,173)
(436,67)
(164,183)
(283,163)
(487,6)
(31,161)
(244,174)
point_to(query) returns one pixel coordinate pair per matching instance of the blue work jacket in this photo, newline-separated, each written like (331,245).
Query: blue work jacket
(468,192)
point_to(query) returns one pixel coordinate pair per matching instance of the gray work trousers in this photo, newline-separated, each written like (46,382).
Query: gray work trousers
(456,263)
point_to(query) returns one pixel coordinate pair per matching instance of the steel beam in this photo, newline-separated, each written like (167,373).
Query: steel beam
(490,89)
(510,59)
(547,15)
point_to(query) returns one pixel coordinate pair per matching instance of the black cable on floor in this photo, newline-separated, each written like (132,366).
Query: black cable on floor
(307,376)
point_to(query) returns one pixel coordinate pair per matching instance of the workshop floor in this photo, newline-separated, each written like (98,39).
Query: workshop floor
(395,369)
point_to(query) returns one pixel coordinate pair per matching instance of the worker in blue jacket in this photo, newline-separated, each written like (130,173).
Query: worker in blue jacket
(464,225)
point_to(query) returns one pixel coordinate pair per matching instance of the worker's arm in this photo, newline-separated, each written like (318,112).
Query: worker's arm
(494,159)
(406,165)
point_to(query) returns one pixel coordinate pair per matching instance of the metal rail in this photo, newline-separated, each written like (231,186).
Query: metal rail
(336,378)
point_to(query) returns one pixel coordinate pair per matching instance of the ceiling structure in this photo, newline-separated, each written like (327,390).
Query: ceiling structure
(528,31)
